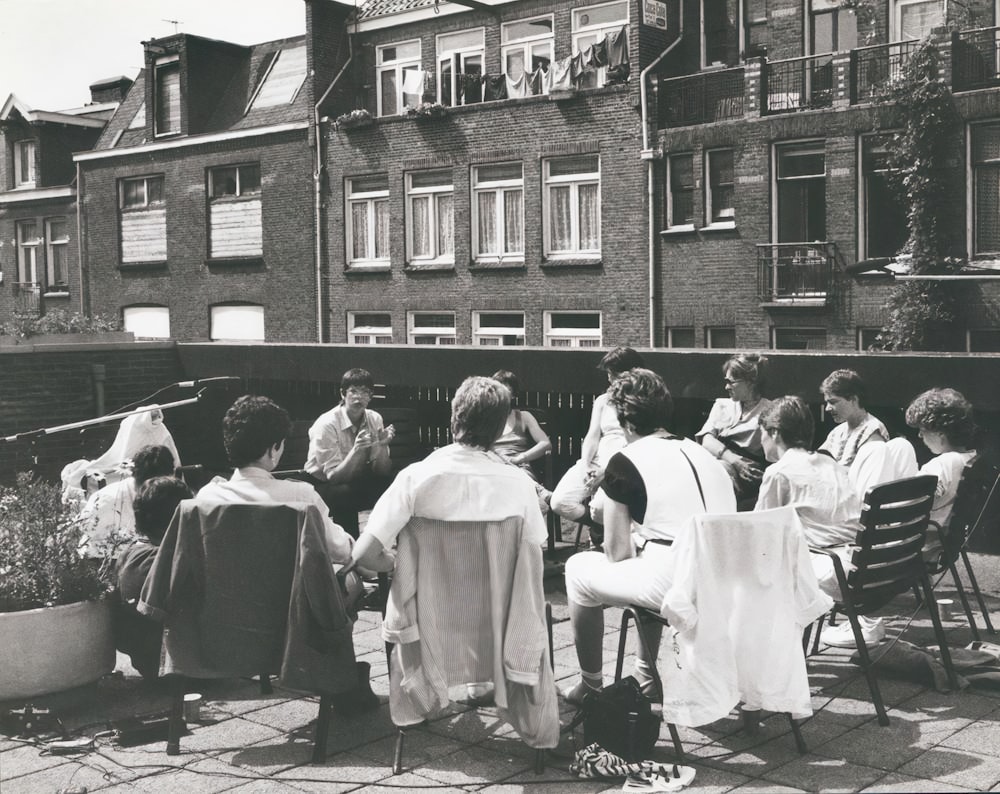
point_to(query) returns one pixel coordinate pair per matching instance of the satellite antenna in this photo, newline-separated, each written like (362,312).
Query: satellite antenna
(174,22)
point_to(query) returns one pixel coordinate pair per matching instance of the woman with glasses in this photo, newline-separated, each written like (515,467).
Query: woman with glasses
(732,431)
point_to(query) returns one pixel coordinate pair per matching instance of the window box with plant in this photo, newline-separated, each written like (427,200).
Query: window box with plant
(54,619)
(62,327)
(359,117)
(428,110)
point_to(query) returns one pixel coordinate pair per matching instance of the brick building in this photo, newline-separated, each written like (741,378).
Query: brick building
(39,245)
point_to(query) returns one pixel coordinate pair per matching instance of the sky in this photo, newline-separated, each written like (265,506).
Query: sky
(52,50)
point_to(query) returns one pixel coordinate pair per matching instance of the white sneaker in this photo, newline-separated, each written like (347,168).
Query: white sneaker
(841,636)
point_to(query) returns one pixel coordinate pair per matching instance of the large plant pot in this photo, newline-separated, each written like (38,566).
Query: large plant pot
(55,648)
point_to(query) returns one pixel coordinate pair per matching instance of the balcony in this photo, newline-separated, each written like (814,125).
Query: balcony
(702,98)
(27,299)
(795,274)
(975,59)
(798,83)
(875,69)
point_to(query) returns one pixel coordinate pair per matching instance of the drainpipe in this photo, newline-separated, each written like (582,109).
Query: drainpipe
(651,156)
(318,185)
(84,296)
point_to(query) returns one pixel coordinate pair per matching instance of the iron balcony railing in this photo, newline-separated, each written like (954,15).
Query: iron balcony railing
(27,299)
(876,68)
(702,98)
(975,58)
(798,83)
(795,271)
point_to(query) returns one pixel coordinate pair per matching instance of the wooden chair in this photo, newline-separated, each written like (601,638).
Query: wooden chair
(976,507)
(887,561)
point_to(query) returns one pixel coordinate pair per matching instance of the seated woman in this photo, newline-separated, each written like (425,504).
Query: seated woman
(944,420)
(604,438)
(732,432)
(522,440)
(137,636)
(653,487)
(844,397)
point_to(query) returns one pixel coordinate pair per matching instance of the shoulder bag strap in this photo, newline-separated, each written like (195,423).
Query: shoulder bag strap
(697,479)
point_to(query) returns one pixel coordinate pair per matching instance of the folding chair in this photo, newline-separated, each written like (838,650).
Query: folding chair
(887,561)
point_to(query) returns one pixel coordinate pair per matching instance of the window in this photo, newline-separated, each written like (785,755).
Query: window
(56,254)
(495,329)
(801,192)
(867,337)
(720,337)
(24,163)
(831,28)
(27,252)
(680,192)
(235,224)
(168,95)
(430,219)
(680,336)
(883,216)
(431,328)
(755,35)
(147,322)
(237,322)
(283,79)
(400,78)
(914,19)
(719,42)
(498,209)
(572,329)
(143,219)
(983,340)
(719,199)
(986,188)
(138,121)
(590,26)
(798,338)
(573,206)
(460,67)
(369,328)
(368,220)
(526,47)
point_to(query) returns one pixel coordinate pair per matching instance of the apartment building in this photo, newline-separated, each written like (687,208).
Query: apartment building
(39,242)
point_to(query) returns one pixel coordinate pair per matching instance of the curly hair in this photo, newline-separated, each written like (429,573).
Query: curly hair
(155,503)
(153,460)
(252,426)
(621,359)
(479,410)
(748,367)
(845,383)
(943,411)
(642,400)
(790,418)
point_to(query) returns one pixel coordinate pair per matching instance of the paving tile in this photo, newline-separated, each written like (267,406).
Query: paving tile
(420,747)
(338,773)
(235,732)
(90,772)
(766,787)
(983,736)
(202,777)
(24,760)
(474,765)
(469,726)
(873,745)
(813,773)
(896,782)
(969,704)
(408,781)
(955,767)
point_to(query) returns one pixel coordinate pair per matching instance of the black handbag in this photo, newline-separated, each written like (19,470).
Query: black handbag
(621,720)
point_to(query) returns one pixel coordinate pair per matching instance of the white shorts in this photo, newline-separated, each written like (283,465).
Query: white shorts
(592,580)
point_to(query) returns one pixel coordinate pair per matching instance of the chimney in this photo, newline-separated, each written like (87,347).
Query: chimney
(111,90)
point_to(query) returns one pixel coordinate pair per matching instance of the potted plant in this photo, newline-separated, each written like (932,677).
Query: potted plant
(54,618)
(428,110)
(60,326)
(360,117)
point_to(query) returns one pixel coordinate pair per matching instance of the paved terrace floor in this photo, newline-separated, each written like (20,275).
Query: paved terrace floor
(249,743)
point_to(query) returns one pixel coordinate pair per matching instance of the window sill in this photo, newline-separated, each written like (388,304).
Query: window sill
(151,265)
(56,293)
(377,267)
(497,264)
(235,260)
(573,262)
(411,267)
(686,228)
(794,303)
(719,226)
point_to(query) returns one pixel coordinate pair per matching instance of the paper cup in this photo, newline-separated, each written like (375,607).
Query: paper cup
(192,707)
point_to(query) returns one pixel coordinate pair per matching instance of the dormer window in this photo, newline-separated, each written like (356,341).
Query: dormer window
(167,78)
(24,163)
(282,80)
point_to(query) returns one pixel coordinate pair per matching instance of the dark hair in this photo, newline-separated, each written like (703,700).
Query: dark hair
(479,411)
(508,379)
(748,367)
(790,418)
(154,460)
(155,503)
(620,360)
(844,383)
(358,378)
(252,426)
(944,411)
(642,400)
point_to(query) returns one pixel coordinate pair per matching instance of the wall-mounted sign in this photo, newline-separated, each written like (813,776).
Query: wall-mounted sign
(654,14)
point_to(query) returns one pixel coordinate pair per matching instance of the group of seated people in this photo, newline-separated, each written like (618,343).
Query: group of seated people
(637,485)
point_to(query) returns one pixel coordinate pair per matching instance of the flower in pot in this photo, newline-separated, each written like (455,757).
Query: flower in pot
(55,623)
(359,117)
(428,110)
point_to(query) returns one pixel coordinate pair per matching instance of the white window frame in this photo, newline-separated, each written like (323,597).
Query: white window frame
(493,335)
(670,220)
(52,244)
(527,45)
(710,333)
(241,192)
(563,336)
(585,31)
(500,187)
(242,322)
(859,338)
(371,200)
(972,165)
(574,182)
(168,63)
(896,15)
(398,66)
(672,329)
(147,321)
(27,251)
(457,58)
(25,152)
(443,335)
(368,334)
(818,145)
(702,43)
(727,216)
(147,203)
(433,194)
